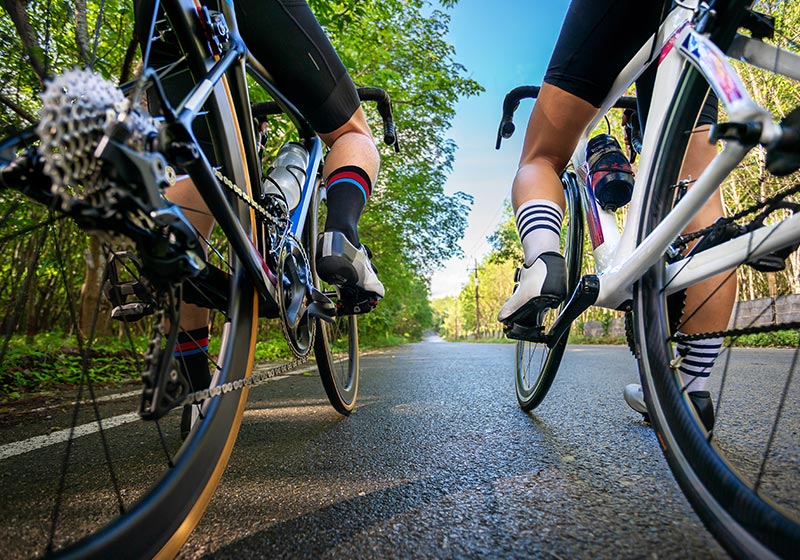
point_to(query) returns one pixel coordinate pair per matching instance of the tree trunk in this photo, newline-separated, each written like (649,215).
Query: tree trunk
(82,33)
(92,300)
(127,62)
(30,42)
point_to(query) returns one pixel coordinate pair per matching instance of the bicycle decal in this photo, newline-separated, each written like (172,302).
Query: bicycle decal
(710,61)
(668,46)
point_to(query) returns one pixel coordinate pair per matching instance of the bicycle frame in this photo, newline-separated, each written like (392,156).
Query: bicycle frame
(620,261)
(225,80)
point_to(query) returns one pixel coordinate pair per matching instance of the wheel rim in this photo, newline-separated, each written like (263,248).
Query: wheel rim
(342,341)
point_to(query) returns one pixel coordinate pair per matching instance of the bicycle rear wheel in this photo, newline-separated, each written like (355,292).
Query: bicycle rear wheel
(536,364)
(737,476)
(336,343)
(122,487)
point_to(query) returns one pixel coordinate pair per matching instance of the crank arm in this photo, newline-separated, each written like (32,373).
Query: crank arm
(583,298)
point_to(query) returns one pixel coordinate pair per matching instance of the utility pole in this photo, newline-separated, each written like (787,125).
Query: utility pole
(456,316)
(477,302)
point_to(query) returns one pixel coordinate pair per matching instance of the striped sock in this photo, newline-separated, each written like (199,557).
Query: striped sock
(191,354)
(539,226)
(349,188)
(698,360)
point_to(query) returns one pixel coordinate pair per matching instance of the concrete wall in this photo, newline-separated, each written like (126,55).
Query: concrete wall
(757,312)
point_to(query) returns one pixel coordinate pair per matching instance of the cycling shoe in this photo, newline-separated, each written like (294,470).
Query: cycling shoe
(634,396)
(540,286)
(339,262)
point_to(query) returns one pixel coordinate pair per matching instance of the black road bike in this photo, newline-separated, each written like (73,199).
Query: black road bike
(97,162)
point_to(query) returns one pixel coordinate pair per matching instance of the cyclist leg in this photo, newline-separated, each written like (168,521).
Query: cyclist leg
(708,304)
(289,42)
(596,41)
(537,196)
(191,348)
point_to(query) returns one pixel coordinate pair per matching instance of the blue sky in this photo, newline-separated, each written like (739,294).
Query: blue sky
(503,44)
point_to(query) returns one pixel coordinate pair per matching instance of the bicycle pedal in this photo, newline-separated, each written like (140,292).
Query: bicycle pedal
(134,287)
(321,306)
(130,312)
(532,314)
(516,331)
(353,301)
(774,262)
(784,158)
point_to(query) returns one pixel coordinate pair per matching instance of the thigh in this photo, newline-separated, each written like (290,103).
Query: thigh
(286,38)
(597,40)
(557,121)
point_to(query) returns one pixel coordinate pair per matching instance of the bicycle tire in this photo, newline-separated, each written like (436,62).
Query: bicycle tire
(336,344)
(160,518)
(747,520)
(536,365)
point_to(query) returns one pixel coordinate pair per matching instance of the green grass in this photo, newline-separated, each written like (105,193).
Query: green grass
(779,339)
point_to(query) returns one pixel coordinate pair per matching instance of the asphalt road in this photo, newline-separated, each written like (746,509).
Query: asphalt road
(437,461)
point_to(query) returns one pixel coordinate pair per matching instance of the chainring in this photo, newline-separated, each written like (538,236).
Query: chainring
(292,291)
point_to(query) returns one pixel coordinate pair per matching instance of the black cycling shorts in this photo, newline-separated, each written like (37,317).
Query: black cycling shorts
(286,38)
(598,38)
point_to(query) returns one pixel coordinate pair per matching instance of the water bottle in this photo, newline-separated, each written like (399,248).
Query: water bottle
(286,177)
(610,175)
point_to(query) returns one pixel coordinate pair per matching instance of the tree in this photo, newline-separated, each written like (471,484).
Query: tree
(410,223)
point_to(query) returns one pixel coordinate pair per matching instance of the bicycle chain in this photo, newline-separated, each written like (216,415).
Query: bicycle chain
(238,191)
(778,197)
(198,397)
(683,240)
(735,332)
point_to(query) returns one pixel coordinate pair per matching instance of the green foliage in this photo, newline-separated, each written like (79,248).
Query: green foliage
(504,240)
(411,225)
(52,359)
(55,25)
(779,339)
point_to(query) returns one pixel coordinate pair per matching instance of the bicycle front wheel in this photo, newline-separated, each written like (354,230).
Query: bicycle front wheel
(739,472)
(536,363)
(336,343)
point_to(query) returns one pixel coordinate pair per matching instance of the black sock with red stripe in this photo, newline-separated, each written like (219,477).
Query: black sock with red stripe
(191,354)
(349,188)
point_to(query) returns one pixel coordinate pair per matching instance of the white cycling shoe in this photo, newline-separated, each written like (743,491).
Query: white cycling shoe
(339,262)
(634,396)
(541,285)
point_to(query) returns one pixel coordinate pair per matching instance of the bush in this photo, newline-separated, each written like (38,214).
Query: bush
(52,359)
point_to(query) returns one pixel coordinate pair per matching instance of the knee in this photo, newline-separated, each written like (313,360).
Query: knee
(356,129)
(537,163)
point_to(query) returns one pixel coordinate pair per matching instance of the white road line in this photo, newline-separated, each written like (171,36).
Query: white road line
(113,397)
(38,442)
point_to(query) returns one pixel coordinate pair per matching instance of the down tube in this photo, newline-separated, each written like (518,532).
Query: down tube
(618,282)
(298,218)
